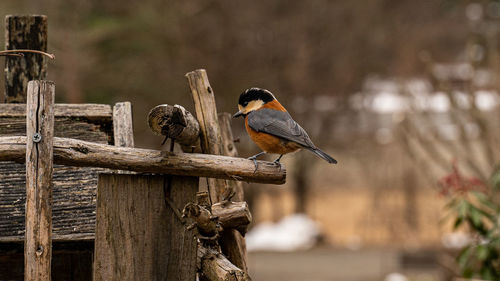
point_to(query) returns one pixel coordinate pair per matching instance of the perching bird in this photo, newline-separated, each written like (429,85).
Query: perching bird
(271,127)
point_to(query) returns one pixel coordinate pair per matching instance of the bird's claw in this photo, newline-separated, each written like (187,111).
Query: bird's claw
(277,162)
(254,158)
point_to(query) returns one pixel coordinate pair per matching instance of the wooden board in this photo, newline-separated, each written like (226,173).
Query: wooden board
(74,190)
(139,237)
(39,168)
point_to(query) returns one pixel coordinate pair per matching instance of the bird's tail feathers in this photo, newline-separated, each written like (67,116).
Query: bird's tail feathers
(323,155)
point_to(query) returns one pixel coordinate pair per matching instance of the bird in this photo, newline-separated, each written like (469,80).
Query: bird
(271,127)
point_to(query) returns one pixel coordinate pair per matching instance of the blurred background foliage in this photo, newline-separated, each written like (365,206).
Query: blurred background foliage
(389,88)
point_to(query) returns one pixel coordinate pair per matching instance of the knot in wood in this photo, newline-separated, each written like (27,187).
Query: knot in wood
(39,251)
(81,148)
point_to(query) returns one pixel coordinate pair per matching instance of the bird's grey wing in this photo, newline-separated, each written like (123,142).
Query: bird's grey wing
(279,124)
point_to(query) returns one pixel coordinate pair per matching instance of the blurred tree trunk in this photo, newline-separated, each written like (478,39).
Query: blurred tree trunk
(410,195)
(302,181)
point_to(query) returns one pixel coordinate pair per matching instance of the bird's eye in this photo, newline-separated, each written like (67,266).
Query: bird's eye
(245,103)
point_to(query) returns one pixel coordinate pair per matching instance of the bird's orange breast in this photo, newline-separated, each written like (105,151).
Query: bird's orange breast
(270,143)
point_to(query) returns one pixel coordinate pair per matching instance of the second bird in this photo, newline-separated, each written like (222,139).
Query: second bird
(271,127)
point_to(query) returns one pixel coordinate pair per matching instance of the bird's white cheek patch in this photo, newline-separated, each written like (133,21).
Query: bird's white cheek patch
(253,105)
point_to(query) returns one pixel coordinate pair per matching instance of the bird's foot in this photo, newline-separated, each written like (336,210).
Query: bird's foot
(254,158)
(254,162)
(277,161)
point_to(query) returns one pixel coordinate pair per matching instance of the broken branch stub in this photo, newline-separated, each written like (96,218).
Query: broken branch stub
(174,122)
(213,266)
(233,215)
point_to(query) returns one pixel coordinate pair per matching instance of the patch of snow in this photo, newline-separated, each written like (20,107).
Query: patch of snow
(455,240)
(295,232)
(487,100)
(439,102)
(387,102)
(395,276)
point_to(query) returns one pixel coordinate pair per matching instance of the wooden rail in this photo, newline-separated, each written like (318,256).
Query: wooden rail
(72,152)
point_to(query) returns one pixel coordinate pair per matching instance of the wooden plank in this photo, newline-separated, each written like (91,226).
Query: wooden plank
(24,32)
(206,113)
(122,124)
(73,199)
(137,236)
(39,165)
(74,188)
(88,154)
(89,111)
(55,238)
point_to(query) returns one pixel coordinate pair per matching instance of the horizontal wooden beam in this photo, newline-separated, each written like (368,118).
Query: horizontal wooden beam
(90,111)
(72,152)
(55,238)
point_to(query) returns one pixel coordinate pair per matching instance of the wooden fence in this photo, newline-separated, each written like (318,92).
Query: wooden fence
(152,220)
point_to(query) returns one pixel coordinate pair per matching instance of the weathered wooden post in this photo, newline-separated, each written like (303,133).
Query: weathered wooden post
(212,143)
(206,113)
(24,32)
(39,165)
(123,131)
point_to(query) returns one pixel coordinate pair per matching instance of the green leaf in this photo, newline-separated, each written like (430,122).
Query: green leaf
(476,218)
(467,272)
(484,199)
(482,252)
(495,179)
(463,208)
(463,257)
(458,222)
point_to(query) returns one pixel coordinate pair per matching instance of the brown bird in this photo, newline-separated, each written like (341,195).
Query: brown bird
(271,127)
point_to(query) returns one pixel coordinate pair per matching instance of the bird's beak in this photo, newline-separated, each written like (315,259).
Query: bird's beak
(238,114)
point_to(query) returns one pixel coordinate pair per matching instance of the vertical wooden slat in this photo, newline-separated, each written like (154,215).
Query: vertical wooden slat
(122,124)
(206,113)
(39,165)
(232,243)
(138,236)
(24,32)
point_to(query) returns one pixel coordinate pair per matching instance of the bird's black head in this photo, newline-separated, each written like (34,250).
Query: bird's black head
(253,94)
(253,99)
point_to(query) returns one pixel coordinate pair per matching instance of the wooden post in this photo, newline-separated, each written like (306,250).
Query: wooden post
(138,236)
(24,32)
(39,134)
(123,130)
(206,113)
(232,243)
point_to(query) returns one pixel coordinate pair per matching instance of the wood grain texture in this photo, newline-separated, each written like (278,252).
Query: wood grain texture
(232,242)
(137,236)
(215,267)
(206,113)
(233,215)
(123,129)
(39,165)
(74,188)
(89,111)
(24,32)
(88,154)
